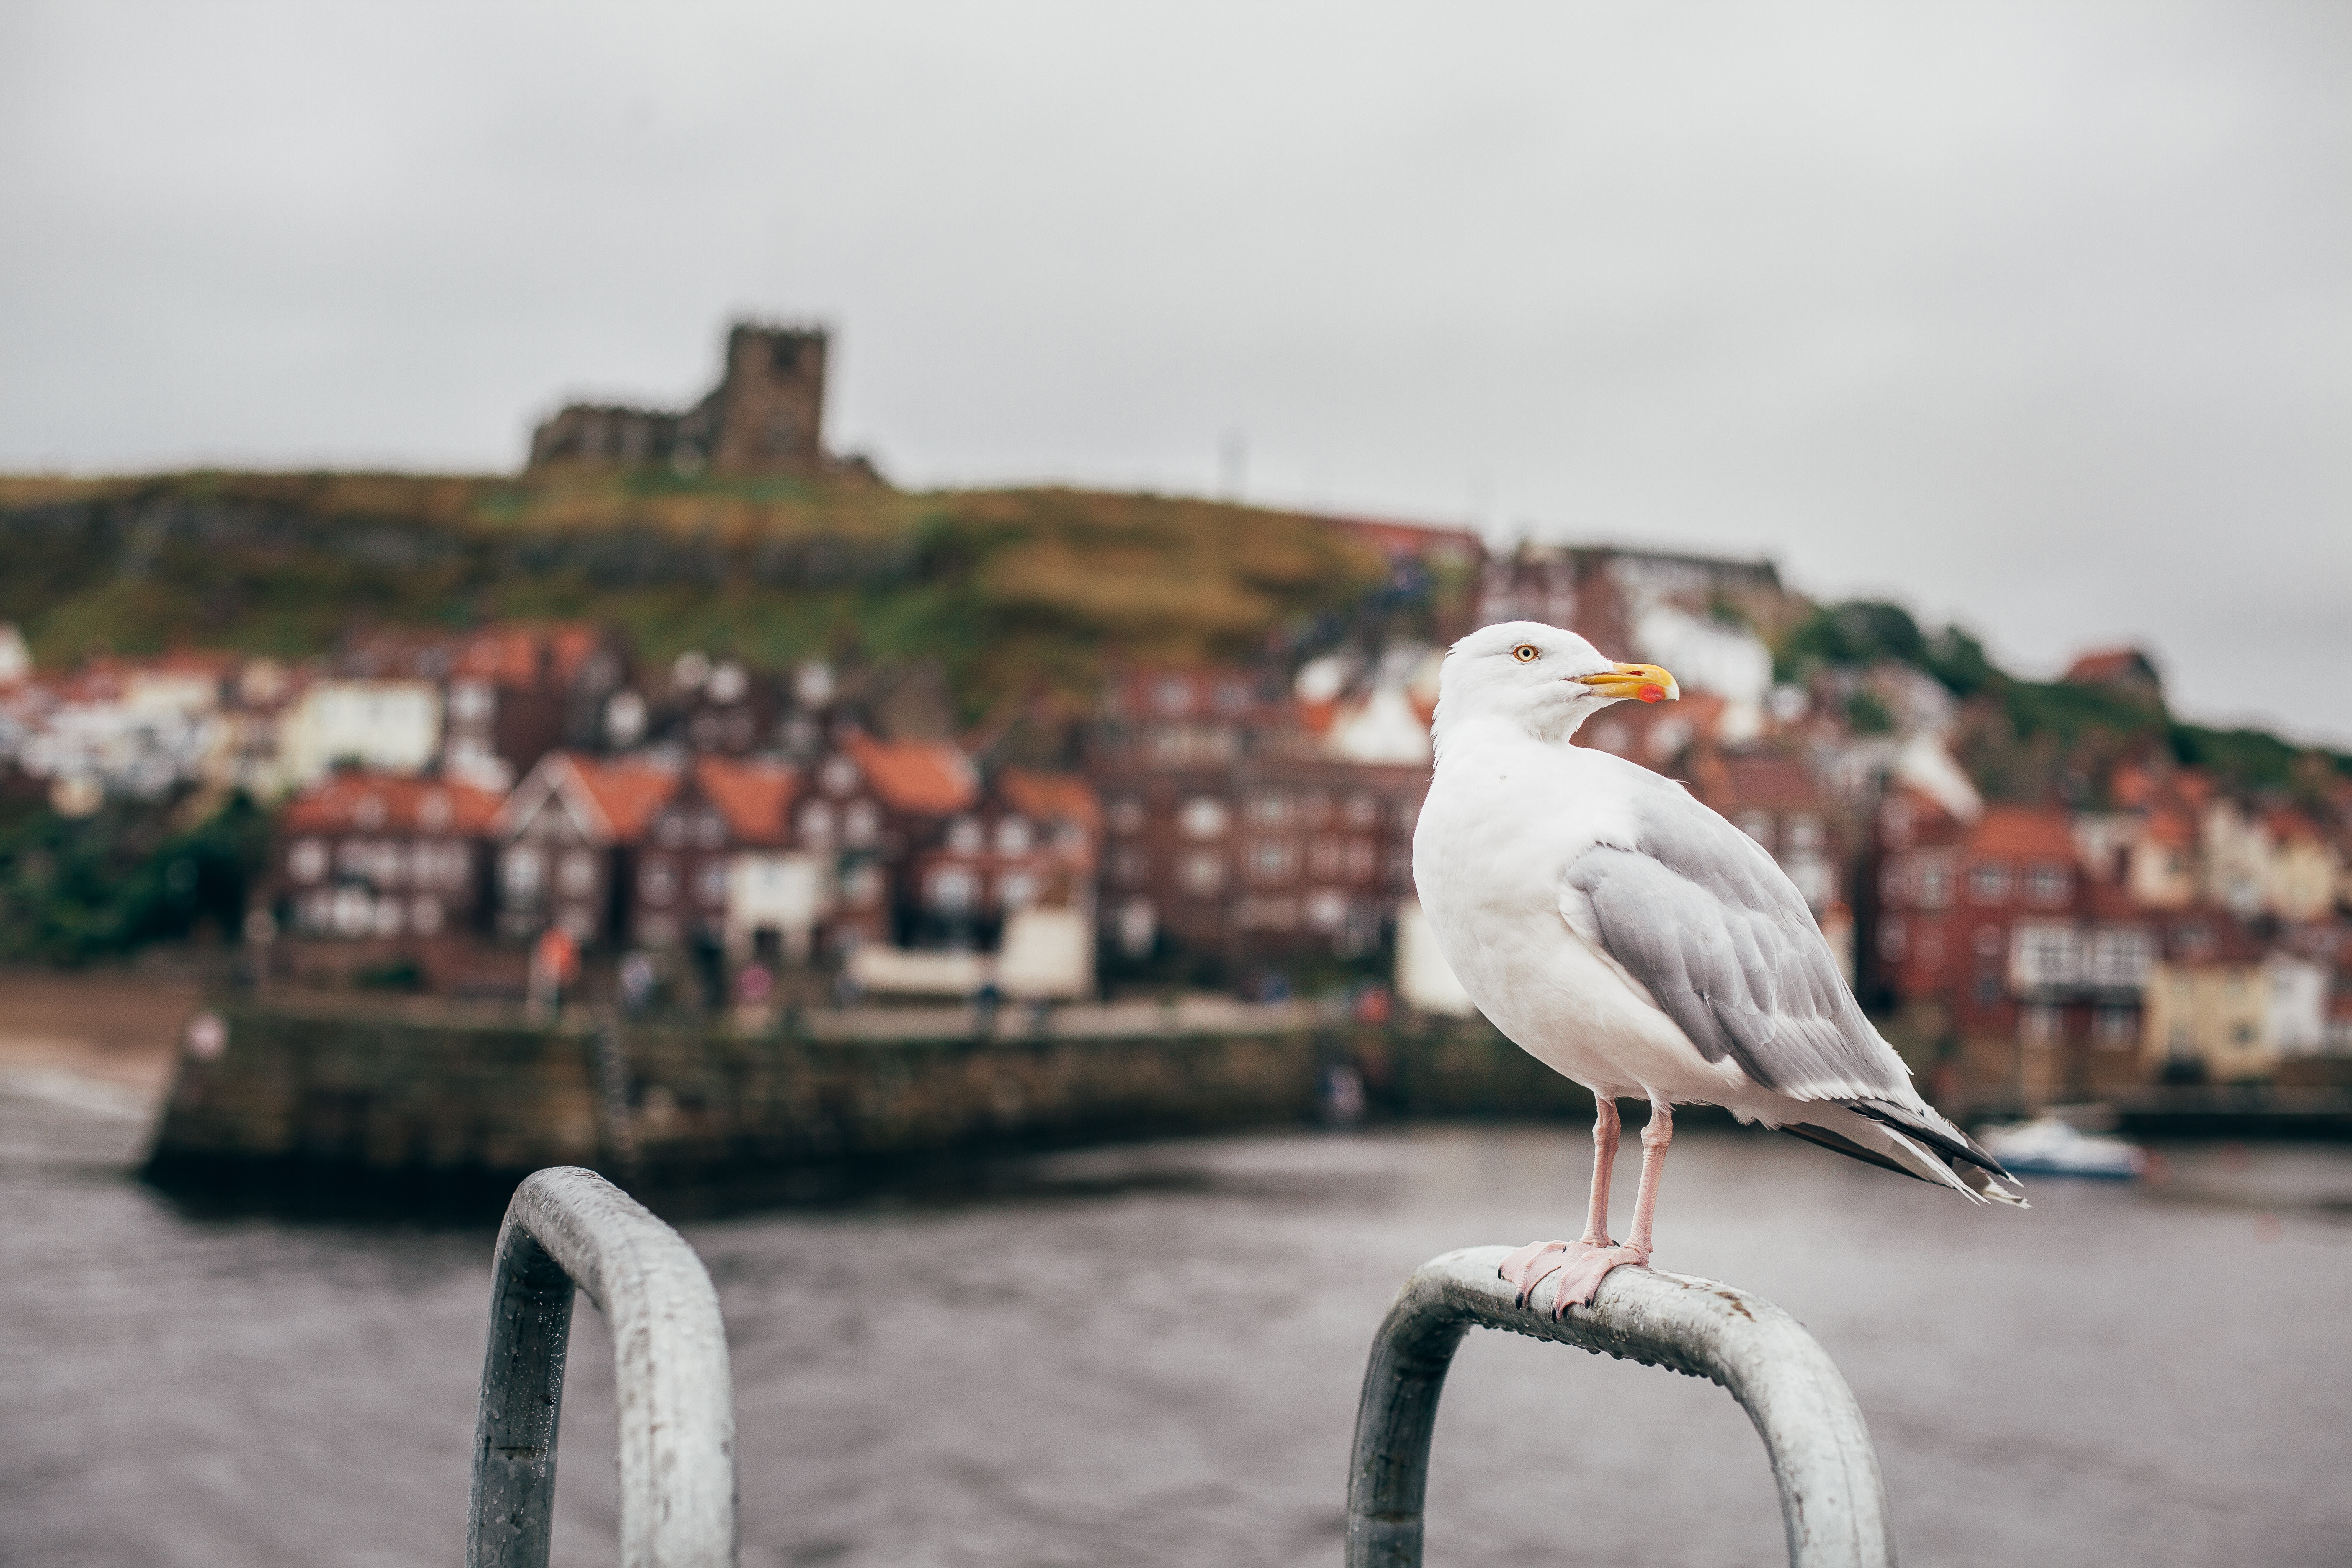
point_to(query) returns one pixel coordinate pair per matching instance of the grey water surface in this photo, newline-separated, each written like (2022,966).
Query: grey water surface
(1149,1355)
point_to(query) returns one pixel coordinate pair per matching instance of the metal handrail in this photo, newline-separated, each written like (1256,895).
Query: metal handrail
(676,1399)
(1831,1499)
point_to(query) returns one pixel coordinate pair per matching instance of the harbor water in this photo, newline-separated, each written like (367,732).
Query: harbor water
(1149,1355)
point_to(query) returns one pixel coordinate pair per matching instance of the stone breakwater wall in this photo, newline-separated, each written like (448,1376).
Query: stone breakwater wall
(483,1099)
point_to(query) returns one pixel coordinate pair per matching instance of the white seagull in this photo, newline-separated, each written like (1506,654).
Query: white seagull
(1631,939)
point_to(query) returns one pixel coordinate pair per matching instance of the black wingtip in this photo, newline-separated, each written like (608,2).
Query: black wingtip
(1932,1130)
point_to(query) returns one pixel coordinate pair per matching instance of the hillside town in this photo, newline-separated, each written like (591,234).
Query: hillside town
(532,810)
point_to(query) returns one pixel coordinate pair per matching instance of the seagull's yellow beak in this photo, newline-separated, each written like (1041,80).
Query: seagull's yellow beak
(1643,682)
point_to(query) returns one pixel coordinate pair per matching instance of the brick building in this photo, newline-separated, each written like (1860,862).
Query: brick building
(566,843)
(372,855)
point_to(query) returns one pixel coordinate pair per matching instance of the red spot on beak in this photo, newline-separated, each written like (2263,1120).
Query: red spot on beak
(1651,693)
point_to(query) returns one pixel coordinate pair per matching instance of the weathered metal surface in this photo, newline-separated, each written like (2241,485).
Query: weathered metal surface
(1833,1502)
(676,1397)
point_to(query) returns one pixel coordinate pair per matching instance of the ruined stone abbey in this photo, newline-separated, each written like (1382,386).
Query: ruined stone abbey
(766,416)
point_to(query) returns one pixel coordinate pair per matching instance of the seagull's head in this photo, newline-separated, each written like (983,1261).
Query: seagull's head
(1543,678)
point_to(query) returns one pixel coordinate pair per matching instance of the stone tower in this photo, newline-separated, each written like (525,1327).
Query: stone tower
(768,415)
(765,417)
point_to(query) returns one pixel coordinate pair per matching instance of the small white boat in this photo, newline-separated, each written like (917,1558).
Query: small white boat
(2047,1146)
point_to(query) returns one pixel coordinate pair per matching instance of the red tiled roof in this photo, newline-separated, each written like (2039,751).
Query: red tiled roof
(753,796)
(2022,830)
(2111,666)
(626,791)
(407,806)
(931,777)
(1065,797)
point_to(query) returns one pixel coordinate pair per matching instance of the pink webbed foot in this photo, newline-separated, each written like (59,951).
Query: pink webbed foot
(1580,1268)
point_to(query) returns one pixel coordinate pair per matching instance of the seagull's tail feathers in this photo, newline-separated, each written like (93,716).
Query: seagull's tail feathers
(1915,1142)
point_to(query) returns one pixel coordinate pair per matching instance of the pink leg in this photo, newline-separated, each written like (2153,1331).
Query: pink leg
(1605,1126)
(1582,1268)
(1656,1134)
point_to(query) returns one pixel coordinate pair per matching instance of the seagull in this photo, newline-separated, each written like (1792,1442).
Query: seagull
(1631,939)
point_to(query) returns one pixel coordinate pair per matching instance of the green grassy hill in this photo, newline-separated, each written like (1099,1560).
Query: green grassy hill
(1023,590)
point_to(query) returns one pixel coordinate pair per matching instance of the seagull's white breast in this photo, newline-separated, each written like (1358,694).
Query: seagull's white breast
(1506,818)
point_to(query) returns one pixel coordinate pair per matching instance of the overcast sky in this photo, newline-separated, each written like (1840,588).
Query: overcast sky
(2038,317)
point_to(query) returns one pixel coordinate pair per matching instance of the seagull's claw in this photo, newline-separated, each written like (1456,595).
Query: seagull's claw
(1580,1269)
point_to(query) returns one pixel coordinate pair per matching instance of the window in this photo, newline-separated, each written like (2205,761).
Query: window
(1130,866)
(1203,817)
(1016,889)
(1363,811)
(1201,872)
(1757,825)
(2115,1028)
(524,870)
(2039,1025)
(861,824)
(1172,695)
(838,776)
(2192,941)
(670,833)
(1273,860)
(1931,947)
(954,890)
(2121,956)
(1990,942)
(710,883)
(711,830)
(307,860)
(2047,883)
(469,702)
(1232,697)
(1934,884)
(657,880)
(1327,909)
(1013,836)
(1988,882)
(965,836)
(1802,834)
(1895,885)
(577,877)
(862,885)
(817,823)
(2045,956)
(1126,814)
(1269,808)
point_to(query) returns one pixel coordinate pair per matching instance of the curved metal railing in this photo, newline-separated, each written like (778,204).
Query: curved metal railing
(1831,1499)
(676,1397)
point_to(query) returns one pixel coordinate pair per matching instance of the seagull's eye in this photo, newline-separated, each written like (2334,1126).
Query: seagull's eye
(1526,653)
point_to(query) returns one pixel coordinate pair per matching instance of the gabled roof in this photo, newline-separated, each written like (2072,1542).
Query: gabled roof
(1052,797)
(628,790)
(754,796)
(353,801)
(613,799)
(932,778)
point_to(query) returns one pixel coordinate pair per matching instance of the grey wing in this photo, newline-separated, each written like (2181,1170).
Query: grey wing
(1701,915)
